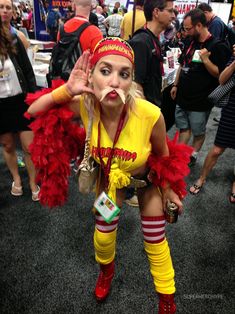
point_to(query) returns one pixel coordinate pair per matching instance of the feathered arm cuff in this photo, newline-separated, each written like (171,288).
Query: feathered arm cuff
(57,140)
(171,170)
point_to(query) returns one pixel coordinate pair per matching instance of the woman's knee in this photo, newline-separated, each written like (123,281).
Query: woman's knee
(150,201)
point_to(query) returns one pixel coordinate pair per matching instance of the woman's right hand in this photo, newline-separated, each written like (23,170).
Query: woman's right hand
(78,79)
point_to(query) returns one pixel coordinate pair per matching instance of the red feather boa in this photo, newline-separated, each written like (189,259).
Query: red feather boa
(171,169)
(56,141)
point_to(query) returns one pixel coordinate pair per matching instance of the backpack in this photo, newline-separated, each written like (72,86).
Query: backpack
(65,53)
(52,19)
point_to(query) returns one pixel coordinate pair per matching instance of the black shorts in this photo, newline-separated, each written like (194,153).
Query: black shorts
(12,111)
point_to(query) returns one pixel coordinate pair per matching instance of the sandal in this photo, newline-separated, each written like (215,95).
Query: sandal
(35,195)
(232,198)
(197,189)
(16,190)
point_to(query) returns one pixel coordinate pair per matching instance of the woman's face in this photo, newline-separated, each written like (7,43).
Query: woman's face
(6,11)
(113,72)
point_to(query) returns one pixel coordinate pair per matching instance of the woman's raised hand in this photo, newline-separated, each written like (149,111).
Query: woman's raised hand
(78,79)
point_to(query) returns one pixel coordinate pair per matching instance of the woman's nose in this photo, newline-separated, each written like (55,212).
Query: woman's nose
(114,81)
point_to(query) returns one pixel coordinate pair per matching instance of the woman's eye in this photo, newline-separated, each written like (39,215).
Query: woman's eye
(105,71)
(125,75)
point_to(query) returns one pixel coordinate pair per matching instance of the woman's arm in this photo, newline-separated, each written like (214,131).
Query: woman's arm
(158,138)
(227,73)
(24,40)
(68,93)
(160,148)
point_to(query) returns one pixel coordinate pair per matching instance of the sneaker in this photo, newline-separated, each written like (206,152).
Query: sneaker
(133,201)
(192,161)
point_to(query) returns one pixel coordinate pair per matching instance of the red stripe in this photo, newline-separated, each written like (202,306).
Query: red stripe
(107,231)
(155,241)
(152,218)
(153,226)
(153,234)
(104,223)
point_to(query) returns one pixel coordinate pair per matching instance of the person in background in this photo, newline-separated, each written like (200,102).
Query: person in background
(69,13)
(101,20)
(16,20)
(6,12)
(124,11)
(217,28)
(225,136)
(53,21)
(91,35)
(214,23)
(201,62)
(107,78)
(17,78)
(105,12)
(113,23)
(126,25)
(148,57)
(93,19)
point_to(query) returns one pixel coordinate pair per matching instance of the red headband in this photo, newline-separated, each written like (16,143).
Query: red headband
(112,46)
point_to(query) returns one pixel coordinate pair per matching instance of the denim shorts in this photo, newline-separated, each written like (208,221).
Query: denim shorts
(191,120)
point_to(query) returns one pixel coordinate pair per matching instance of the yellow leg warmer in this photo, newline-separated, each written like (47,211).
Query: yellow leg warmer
(105,245)
(161,266)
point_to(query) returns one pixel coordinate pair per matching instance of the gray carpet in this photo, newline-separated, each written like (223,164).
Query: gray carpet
(47,261)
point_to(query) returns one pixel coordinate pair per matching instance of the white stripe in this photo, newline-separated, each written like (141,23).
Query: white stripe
(100,218)
(106,228)
(155,238)
(160,222)
(153,230)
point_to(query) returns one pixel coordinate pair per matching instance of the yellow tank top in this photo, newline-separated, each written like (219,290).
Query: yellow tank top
(133,146)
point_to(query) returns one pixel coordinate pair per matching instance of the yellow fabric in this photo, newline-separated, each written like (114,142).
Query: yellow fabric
(105,245)
(133,146)
(126,24)
(161,266)
(61,95)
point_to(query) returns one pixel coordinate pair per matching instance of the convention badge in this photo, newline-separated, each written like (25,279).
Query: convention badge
(196,57)
(106,207)
(5,75)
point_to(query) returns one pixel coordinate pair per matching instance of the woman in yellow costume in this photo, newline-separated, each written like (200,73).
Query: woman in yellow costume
(128,139)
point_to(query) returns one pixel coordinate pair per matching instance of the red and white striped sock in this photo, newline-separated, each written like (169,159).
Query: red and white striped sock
(153,228)
(103,226)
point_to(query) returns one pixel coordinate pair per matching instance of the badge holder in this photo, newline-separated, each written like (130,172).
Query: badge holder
(106,207)
(196,57)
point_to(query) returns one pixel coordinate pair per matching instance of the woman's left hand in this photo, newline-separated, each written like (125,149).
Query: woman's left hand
(169,194)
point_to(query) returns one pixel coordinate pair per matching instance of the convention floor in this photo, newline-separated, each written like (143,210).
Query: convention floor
(47,261)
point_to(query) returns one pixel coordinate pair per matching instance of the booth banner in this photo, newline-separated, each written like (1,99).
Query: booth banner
(183,6)
(41,8)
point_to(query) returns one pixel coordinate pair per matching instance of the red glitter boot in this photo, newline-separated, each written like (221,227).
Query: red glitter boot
(104,281)
(166,304)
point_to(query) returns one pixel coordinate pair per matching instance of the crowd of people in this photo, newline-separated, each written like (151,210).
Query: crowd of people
(119,83)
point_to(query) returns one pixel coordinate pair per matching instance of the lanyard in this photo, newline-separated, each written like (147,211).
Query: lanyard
(158,54)
(157,51)
(191,49)
(106,168)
